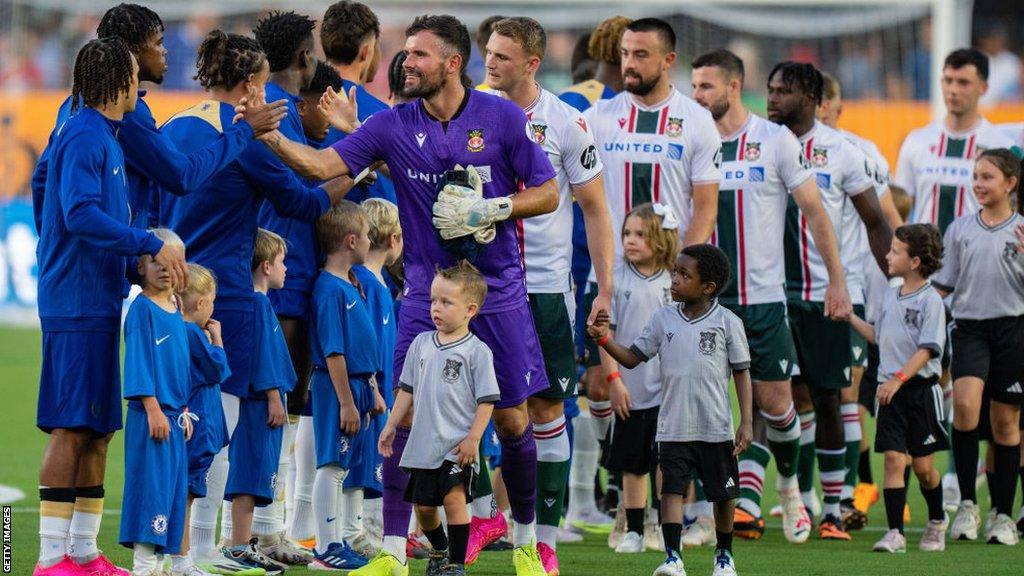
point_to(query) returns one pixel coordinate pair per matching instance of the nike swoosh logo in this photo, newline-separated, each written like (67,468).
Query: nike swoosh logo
(350,306)
(275,328)
(116,170)
(331,519)
(160,341)
(386,320)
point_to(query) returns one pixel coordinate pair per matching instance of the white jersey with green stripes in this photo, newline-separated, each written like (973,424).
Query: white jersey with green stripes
(841,172)
(547,239)
(653,154)
(855,245)
(761,165)
(936,167)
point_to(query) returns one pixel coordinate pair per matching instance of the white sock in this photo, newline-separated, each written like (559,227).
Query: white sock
(373,516)
(269,520)
(226,522)
(484,507)
(601,413)
(852,433)
(326,491)
(85,526)
(54,527)
(179,564)
(548,535)
(350,513)
(301,525)
(395,545)
(144,559)
(289,482)
(524,534)
(584,466)
(203,523)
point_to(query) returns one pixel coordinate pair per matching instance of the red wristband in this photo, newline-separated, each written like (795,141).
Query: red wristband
(602,340)
(901,377)
(612,377)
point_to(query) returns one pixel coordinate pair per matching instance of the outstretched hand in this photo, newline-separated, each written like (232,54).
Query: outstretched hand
(340,110)
(262,117)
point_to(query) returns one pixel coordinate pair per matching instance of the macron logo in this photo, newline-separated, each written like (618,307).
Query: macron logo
(421,138)
(1015,388)
(784,364)
(160,341)
(350,306)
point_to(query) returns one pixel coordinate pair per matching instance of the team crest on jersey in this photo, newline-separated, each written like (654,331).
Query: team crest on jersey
(1010,250)
(674,128)
(912,317)
(159,524)
(707,343)
(752,151)
(539,132)
(819,157)
(475,140)
(451,371)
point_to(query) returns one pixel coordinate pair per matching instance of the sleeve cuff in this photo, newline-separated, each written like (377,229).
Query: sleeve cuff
(643,357)
(942,287)
(488,399)
(153,245)
(324,200)
(405,387)
(932,347)
(740,365)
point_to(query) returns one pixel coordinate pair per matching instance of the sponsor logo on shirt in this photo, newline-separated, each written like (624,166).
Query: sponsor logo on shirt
(707,344)
(824,181)
(588,159)
(757,174)
(475,140)
(426,177)
(674,128)
(675,151)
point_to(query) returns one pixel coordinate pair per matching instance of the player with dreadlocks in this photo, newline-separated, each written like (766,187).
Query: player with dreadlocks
(151,158)
(85,234)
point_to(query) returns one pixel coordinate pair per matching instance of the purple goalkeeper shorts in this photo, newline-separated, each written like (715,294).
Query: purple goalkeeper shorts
(518,362)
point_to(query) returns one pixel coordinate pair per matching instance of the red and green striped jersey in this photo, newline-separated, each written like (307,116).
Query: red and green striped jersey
(936,167)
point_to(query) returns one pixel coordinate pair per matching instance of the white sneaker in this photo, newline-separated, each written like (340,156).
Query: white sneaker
(653,538)
(619,530)
(700,533)
(796,524)
(892,542)
(812,503)
(588,517)
(192,570)
(567,536)
(632,543)
(363,544)
(966,522)
(724,566)
(934,539)
(950,492)
(776,511)
(1003,531)
(990,519)
(672,566)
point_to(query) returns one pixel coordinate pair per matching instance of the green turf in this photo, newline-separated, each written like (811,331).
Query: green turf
(22,444)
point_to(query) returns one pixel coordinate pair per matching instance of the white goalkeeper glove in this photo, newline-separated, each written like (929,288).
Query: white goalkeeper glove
(461,210)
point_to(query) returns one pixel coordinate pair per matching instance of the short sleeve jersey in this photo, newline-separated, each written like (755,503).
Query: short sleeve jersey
(489,133)
(635,300)
(841,172)
(653,154)
(340,324)
(853,235)
(936,167)
(761,165)
(907,323)
(156,355)
(447,383)
(381,307)
(697,358)
(565,137)
(208,363)
(982,268)
(272,365)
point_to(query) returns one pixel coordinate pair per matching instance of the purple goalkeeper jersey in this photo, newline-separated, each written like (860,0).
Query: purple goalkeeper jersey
(488,132)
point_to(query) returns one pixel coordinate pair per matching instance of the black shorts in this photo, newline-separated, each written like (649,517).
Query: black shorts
(429,487)
(869,383)
(913,422)
(712,463)
(633,447)
(992,350)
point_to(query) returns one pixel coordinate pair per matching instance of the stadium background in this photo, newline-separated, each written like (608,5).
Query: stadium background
(882,51)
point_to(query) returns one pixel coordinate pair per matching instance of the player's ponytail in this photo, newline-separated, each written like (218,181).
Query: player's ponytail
(223,60)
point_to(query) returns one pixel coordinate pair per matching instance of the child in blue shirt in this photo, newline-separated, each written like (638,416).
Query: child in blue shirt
(364,485)
(346,360)
(255,449)
(157,386)
(208,367)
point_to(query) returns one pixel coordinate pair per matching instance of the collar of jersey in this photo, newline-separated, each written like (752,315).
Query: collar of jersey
(927,285)
(657,106)
(540,94)
(744,128)
(810,133)
(999,226)
(712,308)
(462,340)
(641,274)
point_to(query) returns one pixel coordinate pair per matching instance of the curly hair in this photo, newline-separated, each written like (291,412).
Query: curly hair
(325,76)
(712,265)
(103,72)
(802,76)
(925,242)
(346,25)
(130,22)
(605,40)
(281,34)
(223,60)
(662,242)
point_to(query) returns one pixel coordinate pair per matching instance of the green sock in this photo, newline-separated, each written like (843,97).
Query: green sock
(783,435)
(552,478)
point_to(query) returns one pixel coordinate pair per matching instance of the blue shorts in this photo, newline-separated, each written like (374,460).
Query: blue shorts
(254,453)
(239,332)
(292,303)
(331,446)
(153,505)
(518,362)
(368,474)
(490,446)
(80,382)
(209,436)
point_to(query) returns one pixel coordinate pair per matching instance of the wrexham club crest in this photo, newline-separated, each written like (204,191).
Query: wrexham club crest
(674,128)
(539,132)
(819,157)
(475,140)
(752,151)
(707,344)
